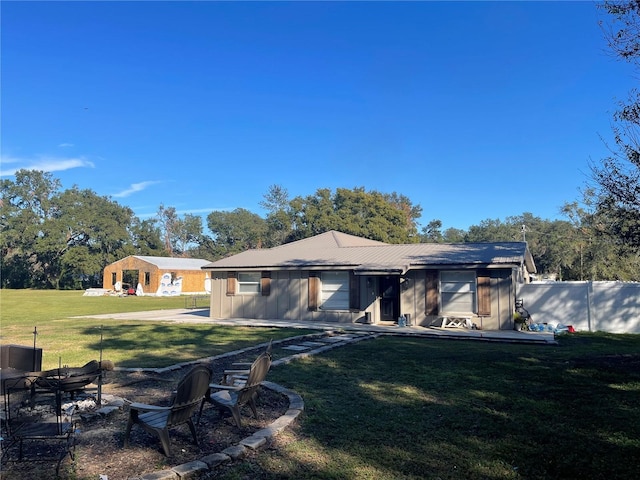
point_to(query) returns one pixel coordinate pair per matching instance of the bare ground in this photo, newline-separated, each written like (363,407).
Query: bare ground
(99,440)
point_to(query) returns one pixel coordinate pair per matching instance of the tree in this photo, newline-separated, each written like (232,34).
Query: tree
(600,251)
(432,233)
(188,233)
(167,218)
(454,235)
(313,214)
(555,245)
(26,204)
(234,232)
(494,230)
(180,235)
(388,218)
(147,238)
(279,221)
(58,239)
(87,232)
(618,176)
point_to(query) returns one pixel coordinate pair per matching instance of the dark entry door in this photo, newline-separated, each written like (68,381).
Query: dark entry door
(389,299)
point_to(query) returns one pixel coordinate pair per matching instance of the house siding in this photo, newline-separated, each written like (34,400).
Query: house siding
(288,300)
(409,275)
(414,299)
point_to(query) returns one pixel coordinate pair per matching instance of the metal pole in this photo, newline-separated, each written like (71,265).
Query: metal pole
(100,346)
(35,334)
(99,395)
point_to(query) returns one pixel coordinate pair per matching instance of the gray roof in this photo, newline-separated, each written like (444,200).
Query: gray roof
(342,251)
(174,263)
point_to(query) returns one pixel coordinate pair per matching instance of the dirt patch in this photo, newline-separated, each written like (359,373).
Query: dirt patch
(99,439)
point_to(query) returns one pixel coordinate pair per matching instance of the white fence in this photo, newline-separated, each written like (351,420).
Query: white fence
(589,306)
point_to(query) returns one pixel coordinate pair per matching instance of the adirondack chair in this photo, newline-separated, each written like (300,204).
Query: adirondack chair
(232,397)
(22,424)
(239,371)
(157,420)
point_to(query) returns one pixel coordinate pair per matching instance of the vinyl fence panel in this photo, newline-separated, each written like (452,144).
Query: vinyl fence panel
(612,307)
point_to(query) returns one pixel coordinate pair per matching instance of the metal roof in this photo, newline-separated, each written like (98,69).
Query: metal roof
(174,263)
(342,251)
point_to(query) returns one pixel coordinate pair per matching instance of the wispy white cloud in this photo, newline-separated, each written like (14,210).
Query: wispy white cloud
(44,163)
(66,145)
(135,187)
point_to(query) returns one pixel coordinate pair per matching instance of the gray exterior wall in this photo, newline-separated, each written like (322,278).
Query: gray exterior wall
(288,300)
(412,301)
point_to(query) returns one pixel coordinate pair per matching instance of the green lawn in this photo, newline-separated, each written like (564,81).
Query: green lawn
(408,408)
(394,407)
(74,341)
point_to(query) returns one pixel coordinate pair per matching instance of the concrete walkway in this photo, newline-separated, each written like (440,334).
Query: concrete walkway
(183,315)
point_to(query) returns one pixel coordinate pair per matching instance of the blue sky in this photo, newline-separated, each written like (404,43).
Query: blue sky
(473,110)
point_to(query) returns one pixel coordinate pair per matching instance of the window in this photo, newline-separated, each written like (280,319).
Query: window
(249,282)
(458,291)
(147,278)
(114,278)
(335,291)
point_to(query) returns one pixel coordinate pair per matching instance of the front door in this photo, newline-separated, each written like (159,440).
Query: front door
(389,299)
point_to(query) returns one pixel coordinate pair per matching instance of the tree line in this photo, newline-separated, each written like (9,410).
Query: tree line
(63,238)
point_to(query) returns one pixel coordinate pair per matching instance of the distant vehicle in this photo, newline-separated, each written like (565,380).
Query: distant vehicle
(128,289)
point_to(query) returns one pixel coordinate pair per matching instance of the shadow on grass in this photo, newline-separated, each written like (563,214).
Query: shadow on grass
(409,408)
(159,345)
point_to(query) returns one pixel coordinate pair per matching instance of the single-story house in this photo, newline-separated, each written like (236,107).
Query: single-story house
(336,277)
(157,275)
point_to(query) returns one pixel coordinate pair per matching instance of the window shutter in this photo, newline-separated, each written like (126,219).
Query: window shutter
(265,284)
(354,291)
(484,293)
(232,278)
(314,288)
(431,293)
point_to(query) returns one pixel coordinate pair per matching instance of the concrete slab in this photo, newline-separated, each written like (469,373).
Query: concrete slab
(201,317)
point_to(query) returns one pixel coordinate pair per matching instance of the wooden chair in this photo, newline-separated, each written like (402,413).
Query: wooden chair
(22,423)
(239,371)
(158,420)
(232,397)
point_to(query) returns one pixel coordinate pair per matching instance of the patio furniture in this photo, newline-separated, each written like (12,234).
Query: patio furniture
(232,398)
(71,380)
(48,423)
(157,420)
(20,357)
(237,375)
(456,322)
(16,361)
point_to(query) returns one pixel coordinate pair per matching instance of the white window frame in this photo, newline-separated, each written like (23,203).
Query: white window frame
(334,291)
(249,283)
(458,291)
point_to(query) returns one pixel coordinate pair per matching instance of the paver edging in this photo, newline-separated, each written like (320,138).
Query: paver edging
(254,442)
(262,437)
